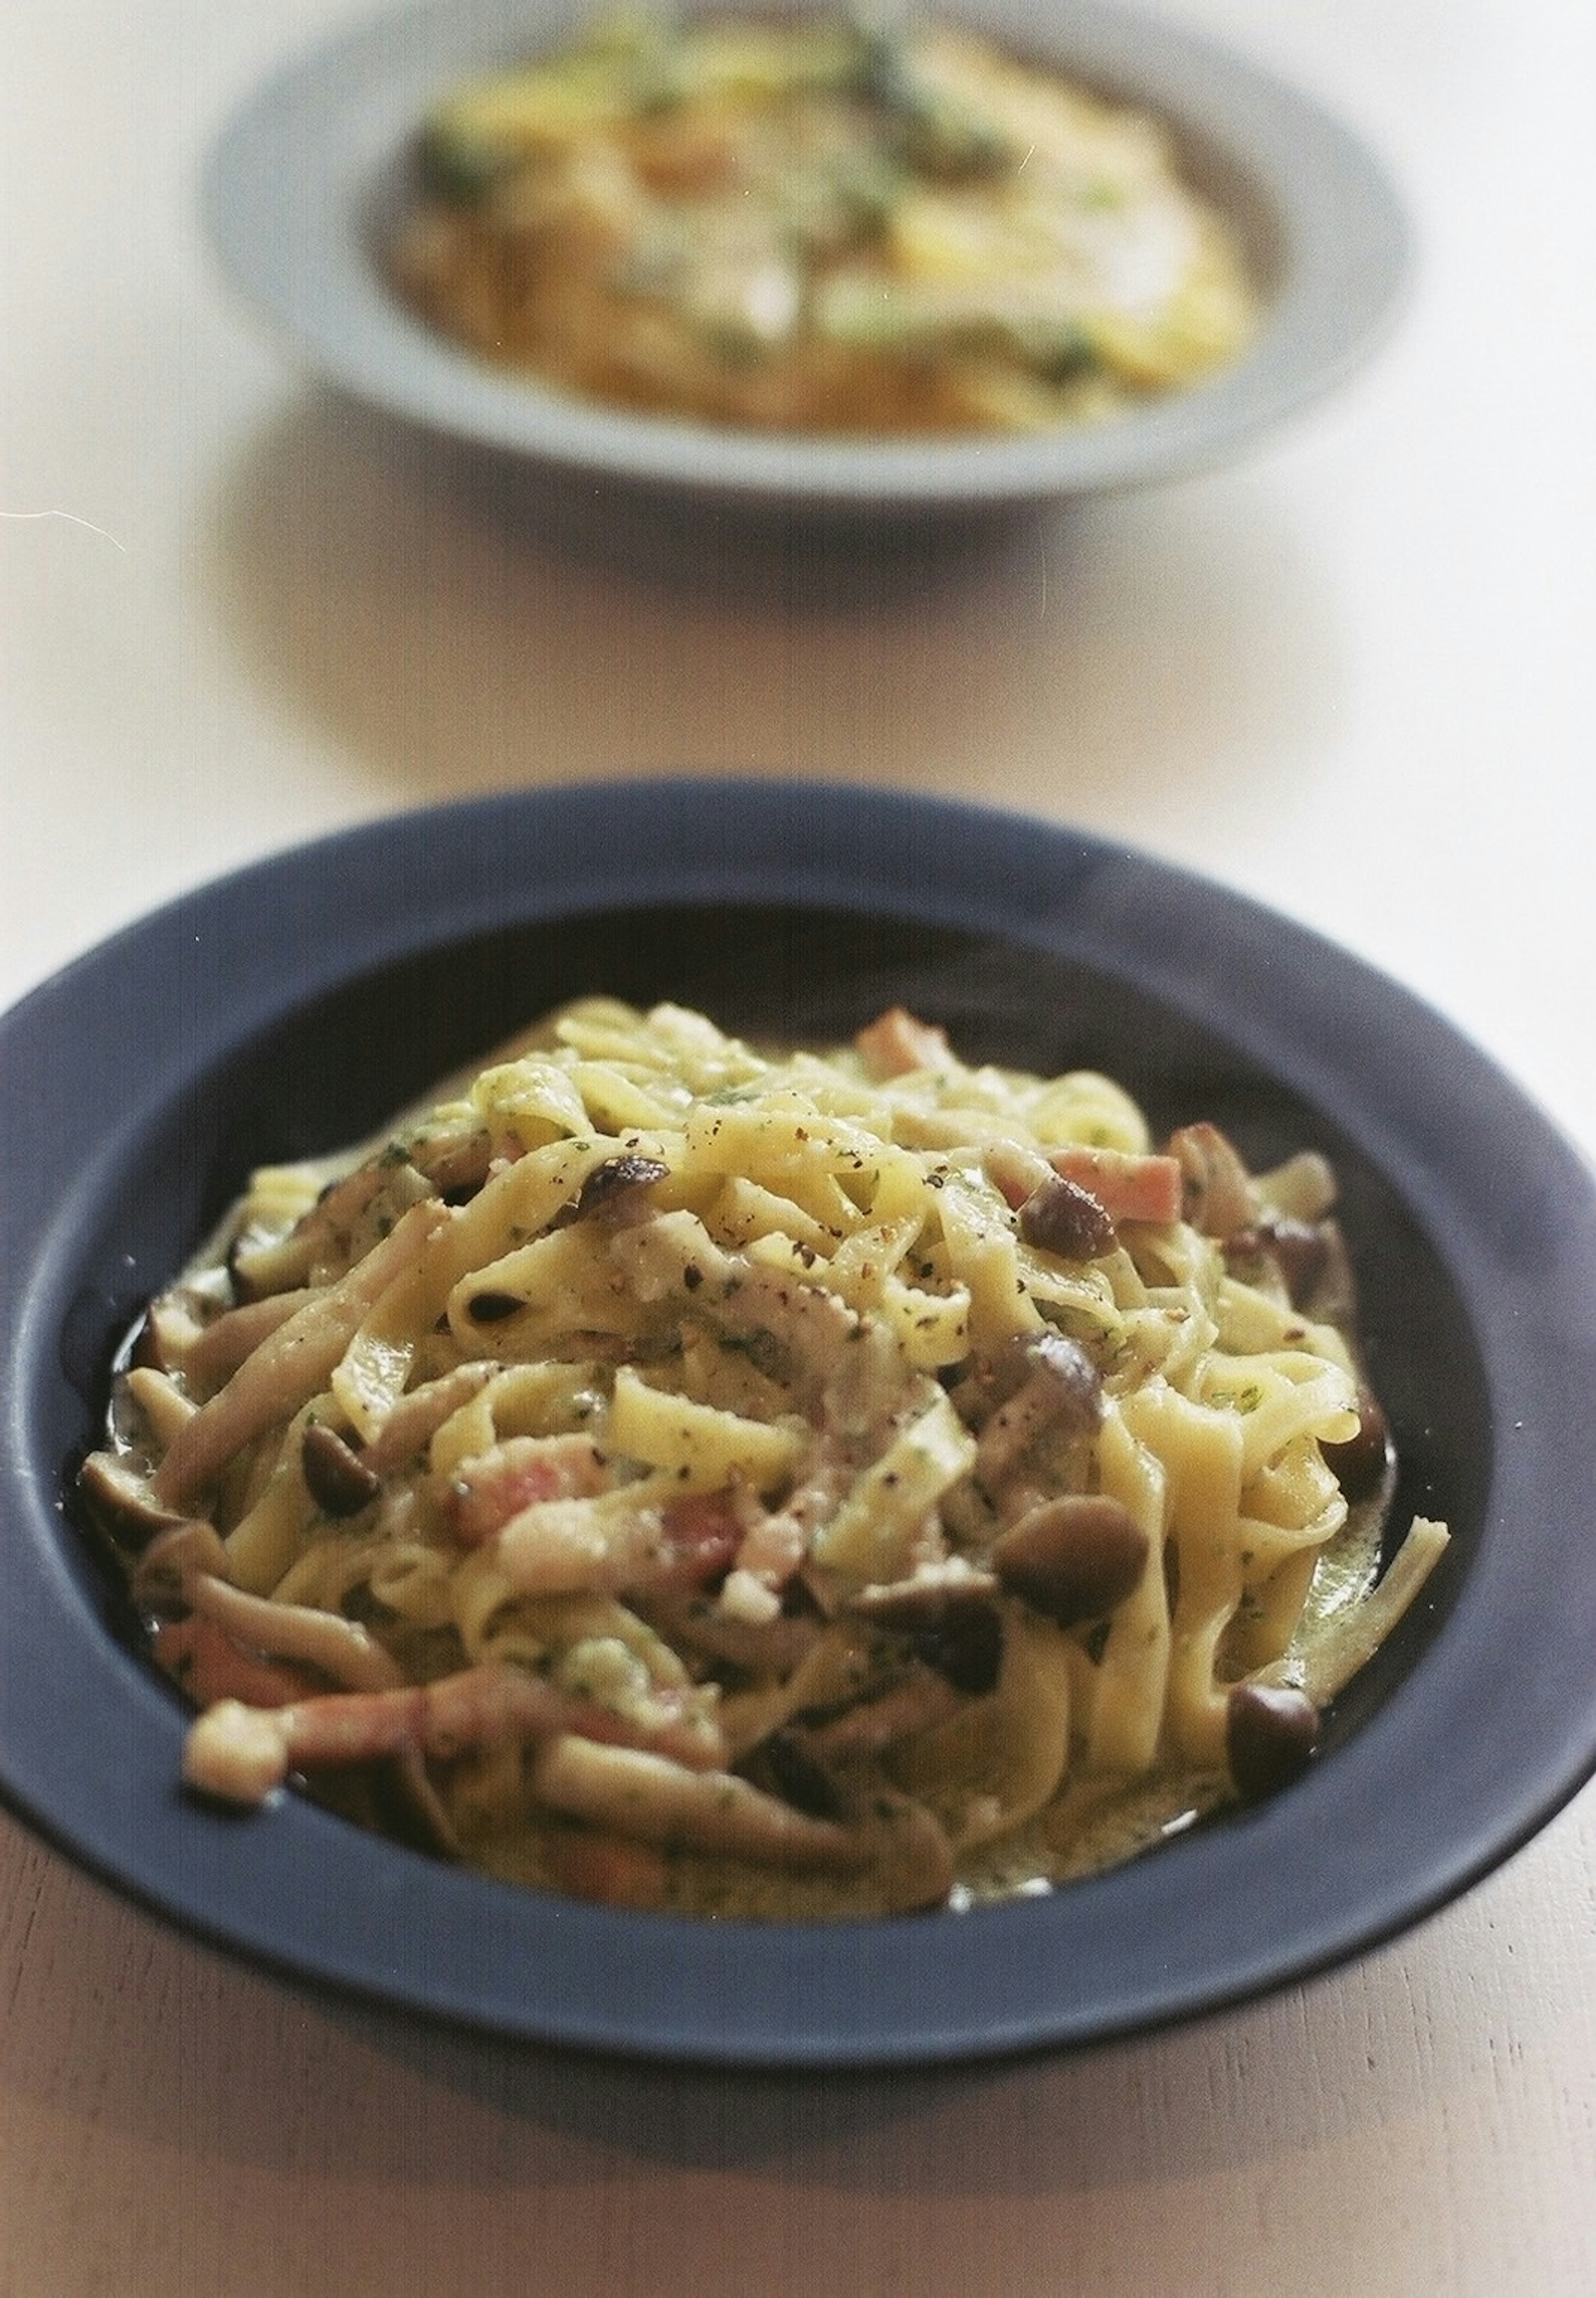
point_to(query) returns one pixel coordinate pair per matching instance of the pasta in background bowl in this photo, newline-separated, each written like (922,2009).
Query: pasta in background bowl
(288,1011)
(310,183)
(832,224)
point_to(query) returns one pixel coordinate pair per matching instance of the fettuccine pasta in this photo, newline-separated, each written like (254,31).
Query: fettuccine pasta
(826,224)
(780,1484)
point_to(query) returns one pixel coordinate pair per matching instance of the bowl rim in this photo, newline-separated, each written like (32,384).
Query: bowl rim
(294,182)
(1464,1760)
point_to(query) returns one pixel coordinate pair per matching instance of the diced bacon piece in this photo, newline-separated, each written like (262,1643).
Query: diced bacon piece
(1128,1186)
(486,1492)
(895,1043)
(702,1534)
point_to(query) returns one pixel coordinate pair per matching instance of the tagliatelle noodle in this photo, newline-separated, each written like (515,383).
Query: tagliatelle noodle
(756,1405)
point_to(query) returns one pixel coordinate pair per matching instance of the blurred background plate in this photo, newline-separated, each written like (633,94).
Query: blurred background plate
(308,178)
(291,1007)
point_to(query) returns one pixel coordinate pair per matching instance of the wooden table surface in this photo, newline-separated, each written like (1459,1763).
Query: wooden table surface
(1351,675)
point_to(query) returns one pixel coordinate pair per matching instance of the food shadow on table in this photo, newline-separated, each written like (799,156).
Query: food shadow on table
(460,626)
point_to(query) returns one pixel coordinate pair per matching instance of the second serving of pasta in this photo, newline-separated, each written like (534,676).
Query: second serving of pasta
(784,1484)
(821,223)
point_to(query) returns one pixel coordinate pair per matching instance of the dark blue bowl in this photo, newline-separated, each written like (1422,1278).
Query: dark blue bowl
(291,1007)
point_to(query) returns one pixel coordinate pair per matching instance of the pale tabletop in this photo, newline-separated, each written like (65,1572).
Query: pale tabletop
(1351,675)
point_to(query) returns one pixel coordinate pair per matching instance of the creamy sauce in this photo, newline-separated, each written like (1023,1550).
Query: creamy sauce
(820,226)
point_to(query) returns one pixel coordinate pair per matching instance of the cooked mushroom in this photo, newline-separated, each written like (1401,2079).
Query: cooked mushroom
(1271,1733)
(241,1752)
(215,1354)
(951,1616)
(164,1407)
(1060,1217)
(910,1703)
(610,1186)
(1217,1187)
(640,1793)
(166,1571)
(1064,1387)
(347,1654)
(455,1160)
(123,1503)
(336,1478)
(695,1623)
(1300,1252)
(289,1367)
(1360,1465)
(421,1412)
(1073,1559)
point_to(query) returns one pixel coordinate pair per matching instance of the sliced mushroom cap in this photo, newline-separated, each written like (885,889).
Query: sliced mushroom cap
(1062,1388)
(1074,1376)
(1073,1559)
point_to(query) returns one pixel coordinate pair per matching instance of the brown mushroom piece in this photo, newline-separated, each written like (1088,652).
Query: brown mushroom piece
(216,1353)
(1062,1386)
(336,1478)
(421,1412)
(1298,1255)
(915,1701)
(124,1506)
(163,1578)
(1216,1187)
(696,1624)
(341,1650)
(1060,1217)
(1271,1733)
(287,1370)
(796,1771)
(609,1185)
(1359,1466)
(1073,1559)
(950,1618)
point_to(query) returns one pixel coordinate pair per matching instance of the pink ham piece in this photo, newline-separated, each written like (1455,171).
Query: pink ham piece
(896,1044)
(1127,1186)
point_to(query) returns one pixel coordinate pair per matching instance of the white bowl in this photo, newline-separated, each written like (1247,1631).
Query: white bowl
(310,174)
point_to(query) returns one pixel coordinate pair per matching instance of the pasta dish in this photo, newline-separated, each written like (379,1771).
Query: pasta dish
(818,224)
(767,1483)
